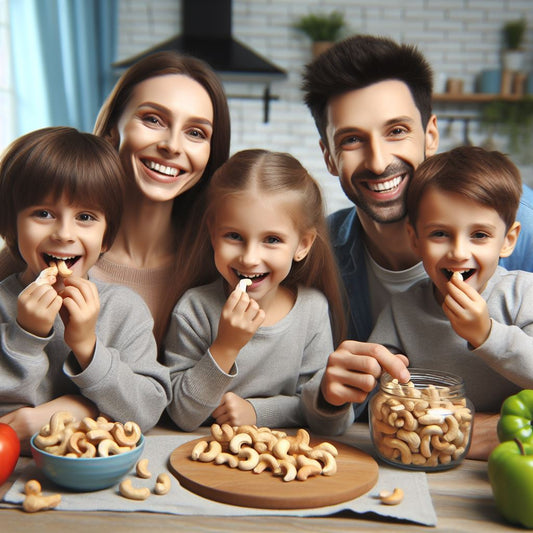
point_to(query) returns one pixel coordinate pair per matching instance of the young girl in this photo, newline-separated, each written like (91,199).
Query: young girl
(68,343)
(241,348)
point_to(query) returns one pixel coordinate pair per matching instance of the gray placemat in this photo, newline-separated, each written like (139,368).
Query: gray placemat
(416,507)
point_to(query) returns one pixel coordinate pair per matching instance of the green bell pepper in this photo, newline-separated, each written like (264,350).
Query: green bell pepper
(510,469)
(516,415)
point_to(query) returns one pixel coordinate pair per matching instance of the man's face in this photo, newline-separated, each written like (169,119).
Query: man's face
(375,140)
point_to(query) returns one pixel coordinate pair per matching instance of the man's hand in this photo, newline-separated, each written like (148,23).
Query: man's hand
(354,369)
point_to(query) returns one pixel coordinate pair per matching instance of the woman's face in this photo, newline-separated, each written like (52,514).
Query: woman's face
(164,135)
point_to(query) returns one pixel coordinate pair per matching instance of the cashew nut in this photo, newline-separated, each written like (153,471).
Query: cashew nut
(142,469)
(34,500)
(227,458)
(129,491)
(62,269)
(391,498)
(307,471)
(223,433)
(162,485)
(109,447)
(287,470)
(267,461)
(206,452)
(96,435)
(32,486)
(329,463)
(251,458)
(238,440)
(127,434)
(37,502)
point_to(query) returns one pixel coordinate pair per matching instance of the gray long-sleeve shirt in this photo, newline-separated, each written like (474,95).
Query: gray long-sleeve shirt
(269,371)
(414,324)
(123,379)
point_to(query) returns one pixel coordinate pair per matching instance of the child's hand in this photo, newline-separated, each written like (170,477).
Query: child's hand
(37,307)
(239,320)
(467,311)
(79,313)
(235,411)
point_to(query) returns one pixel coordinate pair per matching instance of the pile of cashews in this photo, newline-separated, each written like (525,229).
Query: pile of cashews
(68,437)
(420,426)
(257,449)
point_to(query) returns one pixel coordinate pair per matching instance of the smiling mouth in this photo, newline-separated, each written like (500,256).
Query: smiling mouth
(252,277)
(69,261)
(385,186)
(465,274)
(164,170)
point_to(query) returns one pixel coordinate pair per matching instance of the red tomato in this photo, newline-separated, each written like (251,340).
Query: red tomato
(9,451)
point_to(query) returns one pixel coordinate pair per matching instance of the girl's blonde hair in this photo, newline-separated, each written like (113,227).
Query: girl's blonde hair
(274,172)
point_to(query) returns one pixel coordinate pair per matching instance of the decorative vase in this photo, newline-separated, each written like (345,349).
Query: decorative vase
(513,60)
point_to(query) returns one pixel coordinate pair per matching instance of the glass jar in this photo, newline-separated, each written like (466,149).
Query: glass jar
(425,424)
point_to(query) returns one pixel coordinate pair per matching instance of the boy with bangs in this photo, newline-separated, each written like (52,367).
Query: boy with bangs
(69,343)
(471,317)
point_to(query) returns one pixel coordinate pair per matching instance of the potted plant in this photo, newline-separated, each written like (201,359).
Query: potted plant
(322,29)
(513,37)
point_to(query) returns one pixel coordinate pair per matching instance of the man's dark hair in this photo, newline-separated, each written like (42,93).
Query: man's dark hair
(360,61)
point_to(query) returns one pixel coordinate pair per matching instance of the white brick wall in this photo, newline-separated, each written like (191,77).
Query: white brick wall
(459,38)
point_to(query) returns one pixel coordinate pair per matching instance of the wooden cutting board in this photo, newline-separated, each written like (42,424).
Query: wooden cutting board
(357,473)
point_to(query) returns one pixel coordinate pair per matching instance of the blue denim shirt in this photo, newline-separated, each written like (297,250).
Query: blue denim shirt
(346,237)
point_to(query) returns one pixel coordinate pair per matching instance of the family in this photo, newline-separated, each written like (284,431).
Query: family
(148,273)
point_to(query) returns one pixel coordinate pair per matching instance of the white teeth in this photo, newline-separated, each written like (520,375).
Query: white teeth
(62,258)
(385,185)
(249,276)
(162,169)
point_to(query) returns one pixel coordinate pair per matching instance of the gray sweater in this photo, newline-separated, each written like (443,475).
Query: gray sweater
(269,371)
(123,379)
(414,324)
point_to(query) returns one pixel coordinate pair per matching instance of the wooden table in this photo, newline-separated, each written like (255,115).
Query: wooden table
(462,499)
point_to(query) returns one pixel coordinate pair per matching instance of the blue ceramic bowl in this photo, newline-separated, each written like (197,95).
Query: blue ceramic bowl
(86,474)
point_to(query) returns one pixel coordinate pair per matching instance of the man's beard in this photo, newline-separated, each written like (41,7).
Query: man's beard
(382,212)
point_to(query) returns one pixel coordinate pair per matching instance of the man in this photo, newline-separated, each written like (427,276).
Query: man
(371,101)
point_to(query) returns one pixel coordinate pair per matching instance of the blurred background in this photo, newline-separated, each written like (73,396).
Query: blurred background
(59,59)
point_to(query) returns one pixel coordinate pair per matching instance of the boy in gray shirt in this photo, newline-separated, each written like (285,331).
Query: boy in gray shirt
(69,343)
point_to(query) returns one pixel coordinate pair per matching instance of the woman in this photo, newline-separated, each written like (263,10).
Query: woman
(169,120)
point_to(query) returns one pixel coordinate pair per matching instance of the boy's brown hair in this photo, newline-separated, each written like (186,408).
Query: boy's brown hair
(57,161)
(486,177)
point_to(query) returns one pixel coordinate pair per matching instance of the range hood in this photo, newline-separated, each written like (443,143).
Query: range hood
(207,34)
